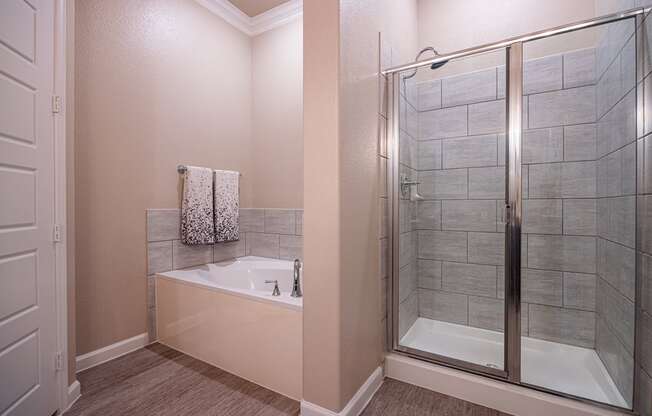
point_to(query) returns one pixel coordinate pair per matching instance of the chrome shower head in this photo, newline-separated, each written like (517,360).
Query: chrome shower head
(438,64)
(433,66)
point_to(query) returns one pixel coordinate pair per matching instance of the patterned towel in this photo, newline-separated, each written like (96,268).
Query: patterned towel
(227,205)
(197,225)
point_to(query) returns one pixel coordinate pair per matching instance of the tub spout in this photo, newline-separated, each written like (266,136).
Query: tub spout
(296,283)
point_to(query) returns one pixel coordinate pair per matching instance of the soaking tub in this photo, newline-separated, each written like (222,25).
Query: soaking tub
(224,313)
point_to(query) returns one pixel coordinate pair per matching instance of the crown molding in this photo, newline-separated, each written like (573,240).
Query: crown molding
(277,16)
(252,26)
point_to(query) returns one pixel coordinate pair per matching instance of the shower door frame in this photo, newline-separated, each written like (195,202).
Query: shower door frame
(513,205)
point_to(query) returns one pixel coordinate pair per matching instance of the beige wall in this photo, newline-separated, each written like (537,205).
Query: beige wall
(360,22)
(451,25)
(342,338)
(321,201)
(158,83)
(277,122)
(399,29)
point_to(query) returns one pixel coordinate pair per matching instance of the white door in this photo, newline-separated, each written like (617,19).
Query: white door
(27,290)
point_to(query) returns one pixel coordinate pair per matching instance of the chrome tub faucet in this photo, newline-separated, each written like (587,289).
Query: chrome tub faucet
(296,283)
(276,291)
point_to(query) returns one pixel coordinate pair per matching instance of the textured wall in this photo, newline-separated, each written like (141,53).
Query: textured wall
(446,25)
(357,168)
(321,311)
(152,91)
(277,122)
(342,250)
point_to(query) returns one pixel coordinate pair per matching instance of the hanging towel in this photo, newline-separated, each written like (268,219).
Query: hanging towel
(197,226)
(227,205)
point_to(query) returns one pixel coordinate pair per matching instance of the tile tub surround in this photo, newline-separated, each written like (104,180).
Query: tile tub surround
(459,161)
(273,233)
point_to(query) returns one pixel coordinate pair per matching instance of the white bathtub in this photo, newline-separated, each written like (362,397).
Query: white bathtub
(244,276)
(225,314)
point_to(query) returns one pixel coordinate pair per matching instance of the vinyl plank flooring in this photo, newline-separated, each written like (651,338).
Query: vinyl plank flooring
(398,398)
(157,380)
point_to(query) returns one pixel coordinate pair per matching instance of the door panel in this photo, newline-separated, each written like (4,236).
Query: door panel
(449,178)
(579,218)
(27,289)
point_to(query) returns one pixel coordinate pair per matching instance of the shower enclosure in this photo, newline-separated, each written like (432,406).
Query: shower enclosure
(513,209)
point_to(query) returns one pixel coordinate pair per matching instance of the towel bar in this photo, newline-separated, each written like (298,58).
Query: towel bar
(182,169)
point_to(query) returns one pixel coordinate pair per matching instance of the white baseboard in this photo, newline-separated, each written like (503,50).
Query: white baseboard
(110,352)
(74,393)
(356,405)
(505,397)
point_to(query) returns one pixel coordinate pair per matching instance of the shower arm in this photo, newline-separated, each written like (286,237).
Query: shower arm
(421,52)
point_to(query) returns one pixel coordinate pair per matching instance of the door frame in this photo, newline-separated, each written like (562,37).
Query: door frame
(61,30)
(394,85)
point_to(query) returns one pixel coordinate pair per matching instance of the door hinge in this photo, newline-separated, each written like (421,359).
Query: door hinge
(56,104)
(58,361)
(56,233)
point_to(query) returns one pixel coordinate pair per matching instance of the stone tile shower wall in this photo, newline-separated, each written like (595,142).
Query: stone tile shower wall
(616,203)
(274,233)
(459,154)
(644,253)
(385,61)
(408,133)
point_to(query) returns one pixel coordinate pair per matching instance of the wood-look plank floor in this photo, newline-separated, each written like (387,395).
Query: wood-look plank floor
(397,398)
(157,380)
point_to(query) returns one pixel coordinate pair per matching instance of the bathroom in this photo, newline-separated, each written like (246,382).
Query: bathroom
(417,207)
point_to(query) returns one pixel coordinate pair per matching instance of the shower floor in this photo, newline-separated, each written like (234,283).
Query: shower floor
(559,367)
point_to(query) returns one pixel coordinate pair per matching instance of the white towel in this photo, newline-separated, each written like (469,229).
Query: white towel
(197,226)
(227,205)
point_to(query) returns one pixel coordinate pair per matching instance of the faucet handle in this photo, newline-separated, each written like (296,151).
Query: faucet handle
(276,291)
(296,283)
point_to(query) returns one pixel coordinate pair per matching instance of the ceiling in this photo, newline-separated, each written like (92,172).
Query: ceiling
(256,7)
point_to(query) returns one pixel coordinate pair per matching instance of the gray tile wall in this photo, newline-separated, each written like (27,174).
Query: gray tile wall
(383,167)
(644,227)
(615,207)
(275,233)
(409,157)
(460,158)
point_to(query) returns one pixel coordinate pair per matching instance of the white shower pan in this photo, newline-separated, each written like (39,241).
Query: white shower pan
(572,370)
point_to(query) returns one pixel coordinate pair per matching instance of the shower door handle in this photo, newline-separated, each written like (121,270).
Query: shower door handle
(505,214)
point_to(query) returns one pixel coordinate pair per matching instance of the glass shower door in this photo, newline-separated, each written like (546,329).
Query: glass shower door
(517,249)
(448,208)
(579,159)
